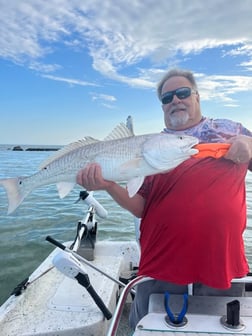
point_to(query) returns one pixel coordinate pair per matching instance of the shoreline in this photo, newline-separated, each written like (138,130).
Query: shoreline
(30,148)
(35,149)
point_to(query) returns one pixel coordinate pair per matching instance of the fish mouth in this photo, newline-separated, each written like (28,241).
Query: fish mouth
(194,150)
(195,142)
(191,145)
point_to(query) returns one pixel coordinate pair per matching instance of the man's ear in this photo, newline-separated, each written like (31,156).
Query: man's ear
(197,96)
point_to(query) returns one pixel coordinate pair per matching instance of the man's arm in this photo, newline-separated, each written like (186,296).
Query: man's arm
(240,150)
(91,179)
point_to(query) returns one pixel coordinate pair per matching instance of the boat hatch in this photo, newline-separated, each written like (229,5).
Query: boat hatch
(76,298)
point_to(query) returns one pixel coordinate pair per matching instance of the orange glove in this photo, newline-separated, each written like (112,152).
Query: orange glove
(215,150)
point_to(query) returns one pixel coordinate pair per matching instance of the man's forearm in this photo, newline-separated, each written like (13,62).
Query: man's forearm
(133,204)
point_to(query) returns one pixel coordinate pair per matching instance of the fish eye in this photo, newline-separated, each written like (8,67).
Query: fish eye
(180,137)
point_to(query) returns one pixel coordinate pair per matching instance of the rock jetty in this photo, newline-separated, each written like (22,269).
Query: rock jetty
(41,149)
(35,149)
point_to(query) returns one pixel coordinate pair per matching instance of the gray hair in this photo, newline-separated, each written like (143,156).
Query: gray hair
(173,73)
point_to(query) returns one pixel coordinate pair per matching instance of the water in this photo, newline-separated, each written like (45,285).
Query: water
(22,234)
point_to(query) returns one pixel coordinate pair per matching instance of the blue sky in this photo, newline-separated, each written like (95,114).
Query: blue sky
(74,68)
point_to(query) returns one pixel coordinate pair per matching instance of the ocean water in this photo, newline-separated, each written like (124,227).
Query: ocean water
(22,234)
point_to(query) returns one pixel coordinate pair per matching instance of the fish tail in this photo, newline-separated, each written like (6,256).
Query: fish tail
(14,192)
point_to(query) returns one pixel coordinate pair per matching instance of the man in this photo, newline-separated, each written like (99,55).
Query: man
(193,217)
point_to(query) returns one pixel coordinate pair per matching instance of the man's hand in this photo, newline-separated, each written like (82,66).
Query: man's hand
(91,178)
(240,150)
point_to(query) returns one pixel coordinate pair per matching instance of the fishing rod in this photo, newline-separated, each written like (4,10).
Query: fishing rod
(82,259)
(70,263)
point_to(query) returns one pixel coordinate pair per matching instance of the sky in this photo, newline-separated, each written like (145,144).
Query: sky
(70,69)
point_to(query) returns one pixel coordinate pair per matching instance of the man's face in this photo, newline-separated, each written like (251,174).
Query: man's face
(181,113)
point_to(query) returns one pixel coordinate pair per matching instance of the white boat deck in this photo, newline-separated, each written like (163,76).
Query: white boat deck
(154,324)
(57,305)
(203,317)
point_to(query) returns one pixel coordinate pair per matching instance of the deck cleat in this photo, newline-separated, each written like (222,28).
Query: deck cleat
(232,320)
(178,319)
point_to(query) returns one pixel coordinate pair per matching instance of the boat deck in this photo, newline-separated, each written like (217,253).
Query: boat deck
(56,305)
(204,316)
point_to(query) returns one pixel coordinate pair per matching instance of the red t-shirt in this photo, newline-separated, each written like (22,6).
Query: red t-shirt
(192,226)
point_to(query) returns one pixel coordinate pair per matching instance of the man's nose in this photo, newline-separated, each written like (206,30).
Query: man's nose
(175,99)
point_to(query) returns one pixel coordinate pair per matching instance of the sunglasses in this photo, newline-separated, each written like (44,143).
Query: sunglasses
(181,93)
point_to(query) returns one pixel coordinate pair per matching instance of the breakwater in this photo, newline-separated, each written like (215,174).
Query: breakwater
(35,149)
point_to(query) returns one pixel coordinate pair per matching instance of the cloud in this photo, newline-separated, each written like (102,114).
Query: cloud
(222,88)
(44,68)
(104,99)
(102,96)
(122,39)
(127,32)
(247,65)
(70,81)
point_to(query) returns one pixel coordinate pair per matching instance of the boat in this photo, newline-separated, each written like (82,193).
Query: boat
(86,286)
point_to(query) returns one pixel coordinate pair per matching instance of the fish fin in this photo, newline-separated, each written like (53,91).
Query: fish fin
(134,185)
(64,188)
(120,131)
(14,192)
(129,124)
(68,148)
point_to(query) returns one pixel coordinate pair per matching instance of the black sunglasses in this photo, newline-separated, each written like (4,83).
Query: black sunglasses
(181,93)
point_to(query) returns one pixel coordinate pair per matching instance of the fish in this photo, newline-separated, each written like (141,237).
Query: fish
(123,157)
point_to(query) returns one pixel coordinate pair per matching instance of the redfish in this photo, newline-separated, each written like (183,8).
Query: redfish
(122,157)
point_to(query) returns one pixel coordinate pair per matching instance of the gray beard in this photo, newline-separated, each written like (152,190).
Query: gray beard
(178,121)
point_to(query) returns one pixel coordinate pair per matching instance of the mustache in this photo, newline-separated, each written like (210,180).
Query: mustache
(177,107)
